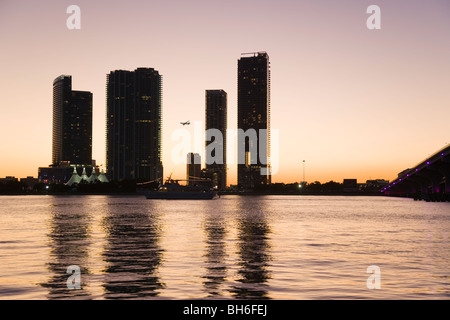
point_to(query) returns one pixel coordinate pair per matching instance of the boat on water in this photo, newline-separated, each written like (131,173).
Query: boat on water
(173,190)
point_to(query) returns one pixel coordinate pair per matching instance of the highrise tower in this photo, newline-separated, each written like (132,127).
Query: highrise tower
(254,119)
(216,118)
(72,124)
(134,125)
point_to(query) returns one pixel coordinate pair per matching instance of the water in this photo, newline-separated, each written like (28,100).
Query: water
(244,247)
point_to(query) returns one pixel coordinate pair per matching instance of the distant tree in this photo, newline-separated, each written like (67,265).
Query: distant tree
(332,187)
(314,187)
(12,187)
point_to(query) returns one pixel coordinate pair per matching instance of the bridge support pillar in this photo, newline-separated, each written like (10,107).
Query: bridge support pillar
(414,186)
(434,179)
(447,183)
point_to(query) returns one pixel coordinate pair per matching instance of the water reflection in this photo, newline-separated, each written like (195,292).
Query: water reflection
(242,247)
(69,245)
(132,252)
(215,255)
(253,247)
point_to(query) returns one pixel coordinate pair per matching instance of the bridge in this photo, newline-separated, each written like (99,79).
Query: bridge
(429,180)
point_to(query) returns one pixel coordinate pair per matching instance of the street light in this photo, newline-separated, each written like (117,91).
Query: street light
(304,171)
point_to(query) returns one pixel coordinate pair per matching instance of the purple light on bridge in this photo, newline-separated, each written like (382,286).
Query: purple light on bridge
(442,154)
(417,170)
(428,162)
(407,175)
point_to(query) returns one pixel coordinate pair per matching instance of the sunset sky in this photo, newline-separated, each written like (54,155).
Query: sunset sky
(351,102)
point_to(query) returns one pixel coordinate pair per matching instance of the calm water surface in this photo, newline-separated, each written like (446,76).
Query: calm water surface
(267,247)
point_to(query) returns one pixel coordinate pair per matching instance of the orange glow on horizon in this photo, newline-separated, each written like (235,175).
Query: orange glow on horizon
(354,103)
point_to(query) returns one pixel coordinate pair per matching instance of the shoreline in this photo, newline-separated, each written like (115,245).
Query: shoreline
(221,194)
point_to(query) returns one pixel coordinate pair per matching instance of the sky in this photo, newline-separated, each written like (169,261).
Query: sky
(350,101)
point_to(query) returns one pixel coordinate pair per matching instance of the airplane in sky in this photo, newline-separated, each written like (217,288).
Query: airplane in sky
(186,123)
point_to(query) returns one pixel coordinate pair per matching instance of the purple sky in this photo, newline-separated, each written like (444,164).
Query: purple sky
(352,102)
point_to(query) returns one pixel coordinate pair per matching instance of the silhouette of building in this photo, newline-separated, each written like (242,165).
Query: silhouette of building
(254,113)
(54,174)
(72,124)
(375,185)
(350,185)
(193,168)
(134,125)
(72,132)
(216,118)
(29,182)
(9,179)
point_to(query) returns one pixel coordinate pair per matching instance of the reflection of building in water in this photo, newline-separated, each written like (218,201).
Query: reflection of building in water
(69,239)
(215,255)
(132,254)
(253,249)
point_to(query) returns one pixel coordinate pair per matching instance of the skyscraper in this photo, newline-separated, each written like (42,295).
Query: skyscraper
(254,120)
(216,118)
(134,125)
(72,124)
(193,168)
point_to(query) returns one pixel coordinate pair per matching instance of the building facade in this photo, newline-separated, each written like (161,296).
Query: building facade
(193,168)
(254,120)
(72,124)
(216,118)
(134,125)
(71,132)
